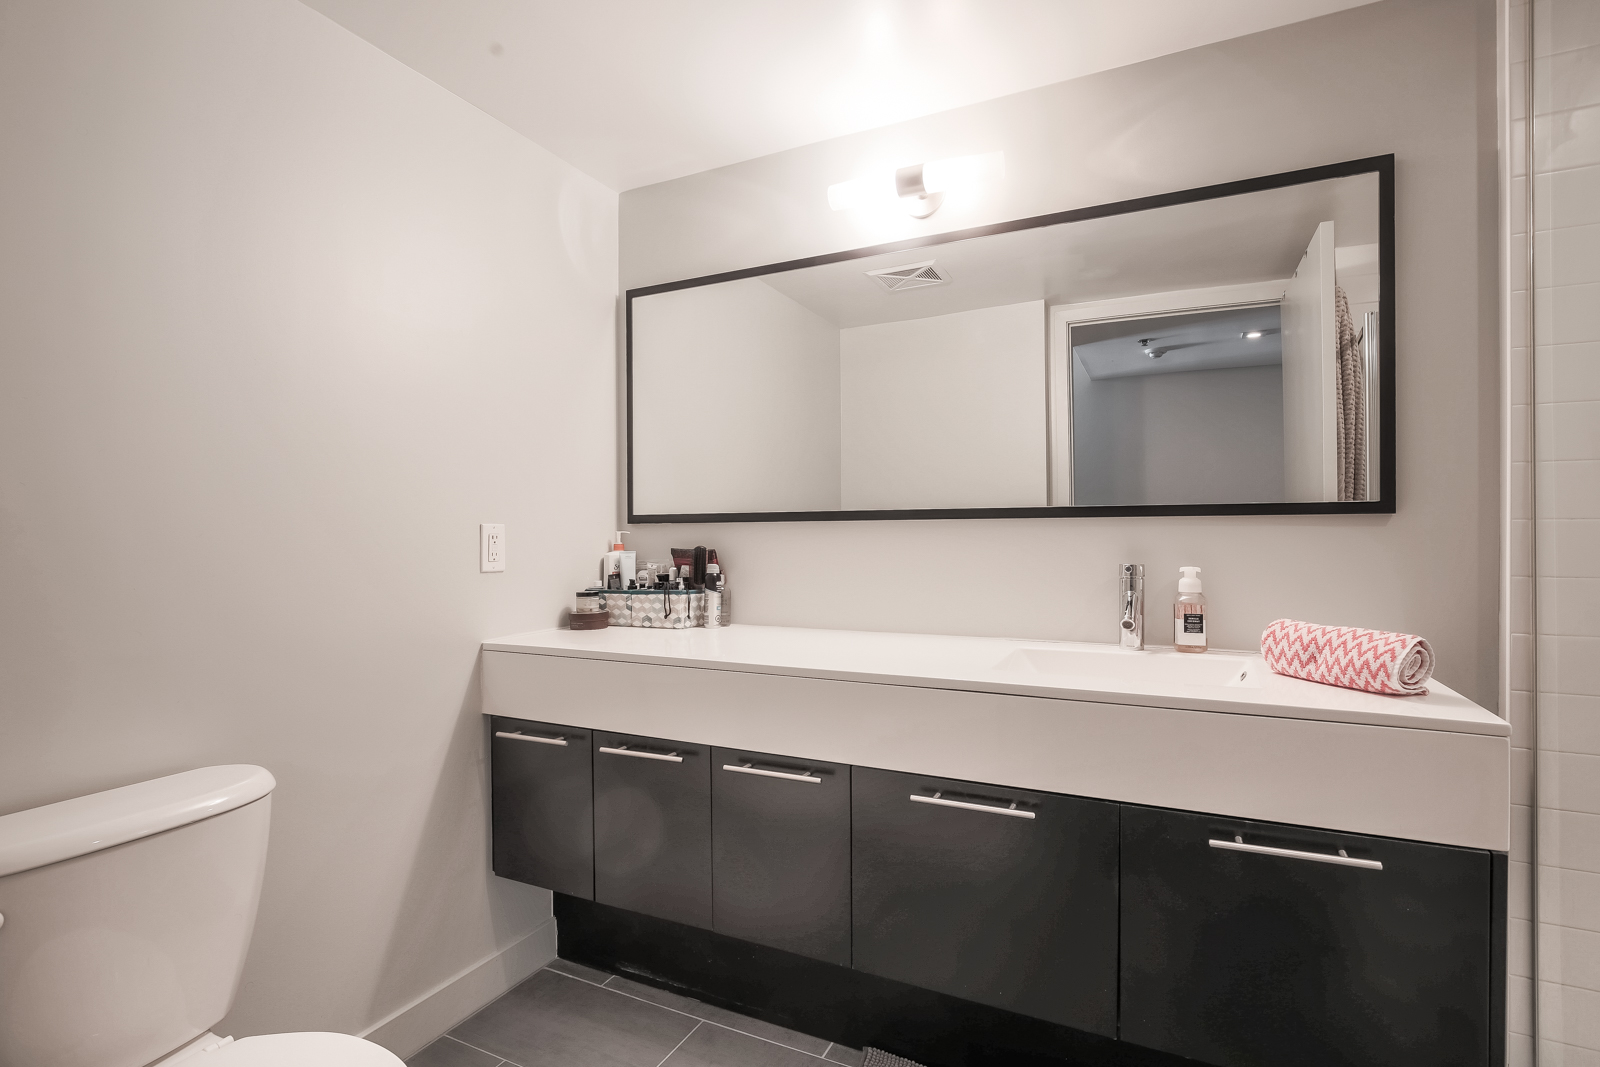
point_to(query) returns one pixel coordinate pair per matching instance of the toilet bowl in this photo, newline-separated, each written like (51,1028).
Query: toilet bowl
(125,917)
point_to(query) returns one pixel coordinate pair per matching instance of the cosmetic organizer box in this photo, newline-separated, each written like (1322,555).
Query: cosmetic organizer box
(665,609)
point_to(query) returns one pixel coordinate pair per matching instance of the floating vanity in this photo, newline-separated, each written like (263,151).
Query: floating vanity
(1187,854)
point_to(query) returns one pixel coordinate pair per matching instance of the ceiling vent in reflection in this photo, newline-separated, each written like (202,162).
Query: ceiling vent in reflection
(909,276)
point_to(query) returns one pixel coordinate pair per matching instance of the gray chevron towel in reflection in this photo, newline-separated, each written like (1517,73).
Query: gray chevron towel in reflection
(876,1057)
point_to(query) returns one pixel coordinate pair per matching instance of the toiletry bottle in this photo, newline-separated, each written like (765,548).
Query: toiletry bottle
(612,572)
(1189,613)
(629,567)
(713,608)
(715,579)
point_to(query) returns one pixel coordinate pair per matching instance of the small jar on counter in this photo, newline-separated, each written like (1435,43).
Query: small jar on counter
(586,601)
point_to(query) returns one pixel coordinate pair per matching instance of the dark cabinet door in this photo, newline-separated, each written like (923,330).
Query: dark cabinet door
(1245,945)
(780,852)
(652,827)
(542,812)
(996,895)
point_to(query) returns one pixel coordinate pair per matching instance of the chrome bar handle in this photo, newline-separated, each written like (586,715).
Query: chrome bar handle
(669,757)
(510,736)
(1238,845)
(786,775)
(993,809)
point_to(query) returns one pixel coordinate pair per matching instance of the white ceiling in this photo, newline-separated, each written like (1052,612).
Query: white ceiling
(1251,237)
(635,92)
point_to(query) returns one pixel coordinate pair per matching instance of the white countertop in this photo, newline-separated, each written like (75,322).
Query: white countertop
(1157,678)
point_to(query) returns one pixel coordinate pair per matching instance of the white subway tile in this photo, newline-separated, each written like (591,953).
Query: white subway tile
(1570,898)
(1520,608)
(1566,139)
(1519,890)
(1568,549)
(1521,833)
(1556,1054)
(1518,556)
(1519,948)
(1520,715)
(1569,605)
(1560,25)
(1519,1049)
(1568,372)
(1568,430)
(1567,314)
(1521,660)
(1569,722)
(1569,489)
(1519,1004)
(1569,1015)
(1567,256)
(1569,956)
(1564,80)
(1567,198)
(1569,664)
(1522,776)
(1570,840)
(1569,781)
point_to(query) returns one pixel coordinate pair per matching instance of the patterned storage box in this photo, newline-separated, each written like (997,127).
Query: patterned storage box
(662,609)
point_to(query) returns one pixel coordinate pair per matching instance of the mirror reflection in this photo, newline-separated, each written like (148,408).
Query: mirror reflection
(1214,352)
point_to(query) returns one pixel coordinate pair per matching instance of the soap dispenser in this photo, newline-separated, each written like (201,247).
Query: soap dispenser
(1189,613)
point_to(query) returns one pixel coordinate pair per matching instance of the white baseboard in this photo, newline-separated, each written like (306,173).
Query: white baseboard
(416,1025)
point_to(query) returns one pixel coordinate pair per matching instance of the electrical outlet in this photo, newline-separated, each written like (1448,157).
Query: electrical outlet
(491,547)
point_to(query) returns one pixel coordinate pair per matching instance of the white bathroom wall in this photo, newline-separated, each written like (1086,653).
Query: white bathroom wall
(945,412)
(1555,534)
(1412,77)
(281,322)
(1193,438)
(737,406)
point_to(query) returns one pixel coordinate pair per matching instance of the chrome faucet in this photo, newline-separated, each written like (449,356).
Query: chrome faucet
(1132,631)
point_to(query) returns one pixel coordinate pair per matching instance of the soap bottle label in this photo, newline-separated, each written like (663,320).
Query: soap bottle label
(1188,627)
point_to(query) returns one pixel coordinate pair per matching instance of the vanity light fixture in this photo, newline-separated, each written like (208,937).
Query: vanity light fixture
(1253,335)
(920,188)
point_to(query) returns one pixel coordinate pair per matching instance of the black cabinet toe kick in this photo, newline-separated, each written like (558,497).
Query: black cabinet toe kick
(962,924)
(849,1007)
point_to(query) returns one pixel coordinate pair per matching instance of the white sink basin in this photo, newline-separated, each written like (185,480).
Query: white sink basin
(1119,669)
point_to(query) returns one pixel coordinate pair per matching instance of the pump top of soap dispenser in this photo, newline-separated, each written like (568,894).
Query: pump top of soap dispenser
(1189,582)
(616,545)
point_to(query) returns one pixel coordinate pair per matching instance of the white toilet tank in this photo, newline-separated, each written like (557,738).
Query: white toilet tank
(125,916)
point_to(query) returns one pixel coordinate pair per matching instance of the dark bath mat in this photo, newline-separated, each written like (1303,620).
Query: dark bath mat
(876,1057)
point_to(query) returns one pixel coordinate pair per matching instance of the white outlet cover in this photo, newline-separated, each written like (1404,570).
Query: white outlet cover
(491,547)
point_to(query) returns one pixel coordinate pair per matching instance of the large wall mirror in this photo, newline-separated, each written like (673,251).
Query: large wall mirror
(1227,350)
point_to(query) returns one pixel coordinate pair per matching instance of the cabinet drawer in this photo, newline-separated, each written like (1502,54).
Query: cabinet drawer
(781,852)
(997,895)
(652,827)
(1283,951)
(541,805)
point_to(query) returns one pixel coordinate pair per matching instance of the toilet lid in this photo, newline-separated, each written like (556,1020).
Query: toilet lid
(298,1050)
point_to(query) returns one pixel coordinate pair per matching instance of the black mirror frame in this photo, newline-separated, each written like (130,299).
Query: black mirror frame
(1382,166)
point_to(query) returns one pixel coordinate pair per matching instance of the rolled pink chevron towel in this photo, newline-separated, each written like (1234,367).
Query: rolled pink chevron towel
(1373,660)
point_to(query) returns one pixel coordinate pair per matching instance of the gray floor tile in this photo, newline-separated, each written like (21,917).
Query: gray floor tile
(552,1020)
(850,1057)
(714,1046)
(447,1052)
(721,1016)
(578,970)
